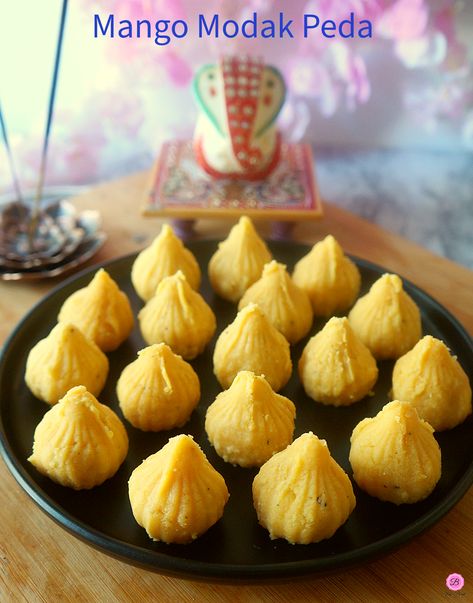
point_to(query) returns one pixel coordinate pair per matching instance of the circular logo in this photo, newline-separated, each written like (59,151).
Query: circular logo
(455,581)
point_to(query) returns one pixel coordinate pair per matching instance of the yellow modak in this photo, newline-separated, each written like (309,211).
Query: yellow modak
(286,306)
(251,343)
(238,261)
(159,390)
(179,316)
(101,311)
(432,380)
(394,456)
(302,494)
(336,367)
(164,257)
(248,423)
(386,319)
(175,494)
(62,360)
(79,442)
(331,280)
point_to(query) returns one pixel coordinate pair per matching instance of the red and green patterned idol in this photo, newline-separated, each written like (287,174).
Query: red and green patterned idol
(239,100)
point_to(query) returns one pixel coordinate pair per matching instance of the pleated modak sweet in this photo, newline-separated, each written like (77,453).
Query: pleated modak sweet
(62,360)
(249,422)
(101,311)
(433,381)
(302,494)
(179,316)
(394,456)
(159,390)
(331,280)
(386,319)
(79,442)
(284,303)
(164,257)
(251,343)
(238,261)
(175,494)
(336,367)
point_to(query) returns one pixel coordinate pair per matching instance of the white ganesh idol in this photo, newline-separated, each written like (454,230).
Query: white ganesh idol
(239,100)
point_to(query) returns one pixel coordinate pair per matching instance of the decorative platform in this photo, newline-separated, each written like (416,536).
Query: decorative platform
(181,189)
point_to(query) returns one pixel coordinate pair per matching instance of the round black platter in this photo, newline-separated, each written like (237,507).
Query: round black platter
(236,548)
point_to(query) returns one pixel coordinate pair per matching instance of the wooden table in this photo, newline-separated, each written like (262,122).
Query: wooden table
(39,561)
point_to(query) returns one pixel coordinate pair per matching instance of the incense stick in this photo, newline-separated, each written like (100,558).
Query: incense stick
(44,152)
(13,172)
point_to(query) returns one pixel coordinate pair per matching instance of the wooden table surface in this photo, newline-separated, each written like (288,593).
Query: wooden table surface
(39,561)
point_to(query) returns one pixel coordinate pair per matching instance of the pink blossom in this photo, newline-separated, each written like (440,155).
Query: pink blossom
(177,68)
(404,20)
(336,11)
(141,9)
(457,52)
(308,77)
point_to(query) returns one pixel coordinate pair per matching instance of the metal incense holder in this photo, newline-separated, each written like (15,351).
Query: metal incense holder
(41,244)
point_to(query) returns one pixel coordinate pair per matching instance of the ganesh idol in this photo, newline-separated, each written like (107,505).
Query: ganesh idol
(239,100)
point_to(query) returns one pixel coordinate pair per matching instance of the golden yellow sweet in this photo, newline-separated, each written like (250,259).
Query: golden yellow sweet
(79,442)
(62,360)
(433,381)
(238,261)
(251,343)
(159,390)
(164,257)
(248,423)
(336,367)
(394,456)
(101,311)
(386,319)
(329,277)
(302,494)
(179,316)
(175,494)
(286,306)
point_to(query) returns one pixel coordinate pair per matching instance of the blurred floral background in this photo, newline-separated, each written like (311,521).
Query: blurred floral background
(411,86)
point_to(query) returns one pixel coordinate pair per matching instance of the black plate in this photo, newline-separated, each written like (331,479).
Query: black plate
(236,547)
